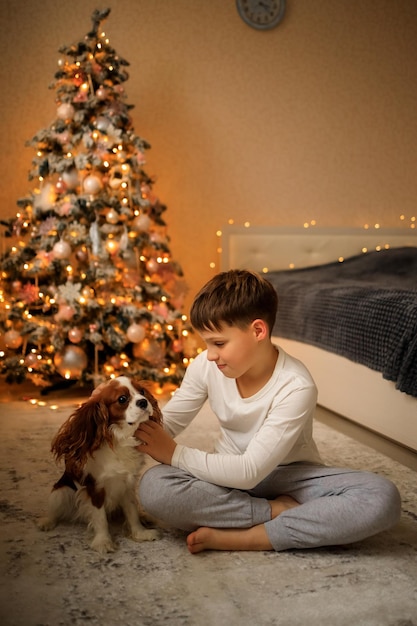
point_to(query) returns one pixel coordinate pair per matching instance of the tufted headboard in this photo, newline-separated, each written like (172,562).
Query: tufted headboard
(263,248)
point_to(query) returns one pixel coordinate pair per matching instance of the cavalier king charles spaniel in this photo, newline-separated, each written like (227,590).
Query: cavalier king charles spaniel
(101,461)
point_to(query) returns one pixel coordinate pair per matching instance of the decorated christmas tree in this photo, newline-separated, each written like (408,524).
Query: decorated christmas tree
(88,286)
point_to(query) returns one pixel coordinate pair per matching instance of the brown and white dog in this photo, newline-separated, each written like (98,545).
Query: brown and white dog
(101,461)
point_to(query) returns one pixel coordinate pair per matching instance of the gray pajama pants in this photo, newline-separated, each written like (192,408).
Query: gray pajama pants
(338,506)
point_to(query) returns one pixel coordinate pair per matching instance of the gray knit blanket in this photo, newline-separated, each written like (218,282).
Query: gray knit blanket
(364,308)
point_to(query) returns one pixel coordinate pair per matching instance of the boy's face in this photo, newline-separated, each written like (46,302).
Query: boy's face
(233,349)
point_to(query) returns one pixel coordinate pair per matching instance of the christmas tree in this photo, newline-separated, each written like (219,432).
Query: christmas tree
(88,286)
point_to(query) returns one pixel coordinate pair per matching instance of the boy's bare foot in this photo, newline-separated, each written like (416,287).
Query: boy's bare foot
(254,538)
(204,538)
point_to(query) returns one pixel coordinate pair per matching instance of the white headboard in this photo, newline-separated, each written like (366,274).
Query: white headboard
(262,248)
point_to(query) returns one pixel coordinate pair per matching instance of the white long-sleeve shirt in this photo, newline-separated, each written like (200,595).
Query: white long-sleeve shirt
(273,427)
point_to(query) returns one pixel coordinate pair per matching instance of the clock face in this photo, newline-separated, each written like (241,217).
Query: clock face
(261,14)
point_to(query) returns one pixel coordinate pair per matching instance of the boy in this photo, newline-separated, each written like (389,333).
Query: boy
(265,486)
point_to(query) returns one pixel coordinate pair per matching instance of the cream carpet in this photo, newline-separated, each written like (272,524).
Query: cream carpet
(55,579)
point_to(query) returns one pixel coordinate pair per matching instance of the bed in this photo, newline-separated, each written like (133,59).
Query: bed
(328,275)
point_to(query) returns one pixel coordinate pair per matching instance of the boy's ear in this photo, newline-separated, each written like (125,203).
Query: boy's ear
(261,329)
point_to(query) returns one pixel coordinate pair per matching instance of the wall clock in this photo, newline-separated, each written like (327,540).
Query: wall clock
(261,14)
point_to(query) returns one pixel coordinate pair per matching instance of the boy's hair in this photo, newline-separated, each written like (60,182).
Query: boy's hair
(235,298)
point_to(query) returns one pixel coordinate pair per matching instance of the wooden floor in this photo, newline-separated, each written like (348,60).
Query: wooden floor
(391,449)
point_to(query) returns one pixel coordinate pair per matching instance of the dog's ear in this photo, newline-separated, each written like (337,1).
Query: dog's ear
(145,387)
(82,433)
(156,413)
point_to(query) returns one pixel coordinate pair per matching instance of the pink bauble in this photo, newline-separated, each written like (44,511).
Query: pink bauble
(12,339)
(177,345)
(92,184)
(65,312)
(135,333)
(161,309)
(31,359)
(152,266)
(61,250)
(63,138)
(65,111)
(101,93)
(75,335)
(60,186)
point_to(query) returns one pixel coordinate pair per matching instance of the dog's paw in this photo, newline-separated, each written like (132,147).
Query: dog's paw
(146,534)
(103,545)
(45,523)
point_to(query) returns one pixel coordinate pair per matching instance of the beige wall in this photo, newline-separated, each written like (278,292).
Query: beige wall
(316,119)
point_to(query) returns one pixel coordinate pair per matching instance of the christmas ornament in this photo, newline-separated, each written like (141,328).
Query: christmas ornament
(65,111)
(177,345)
(31,359)
(61,250)
(149,350)
(92,184)
(60,186)
(75,335)
(112,216)
(135,333)
(65,313)
(101,93)
(70,178)
(152,266)
(71,362)
(102,124)
(141,223)
(12,339)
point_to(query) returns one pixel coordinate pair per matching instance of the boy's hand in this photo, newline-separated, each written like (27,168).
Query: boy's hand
(155,441)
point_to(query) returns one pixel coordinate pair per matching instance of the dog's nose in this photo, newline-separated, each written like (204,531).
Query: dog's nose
(142,404)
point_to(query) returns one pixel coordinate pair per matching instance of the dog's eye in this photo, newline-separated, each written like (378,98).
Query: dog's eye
(123,399)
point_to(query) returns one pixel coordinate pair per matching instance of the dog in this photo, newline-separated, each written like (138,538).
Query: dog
(101,461)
